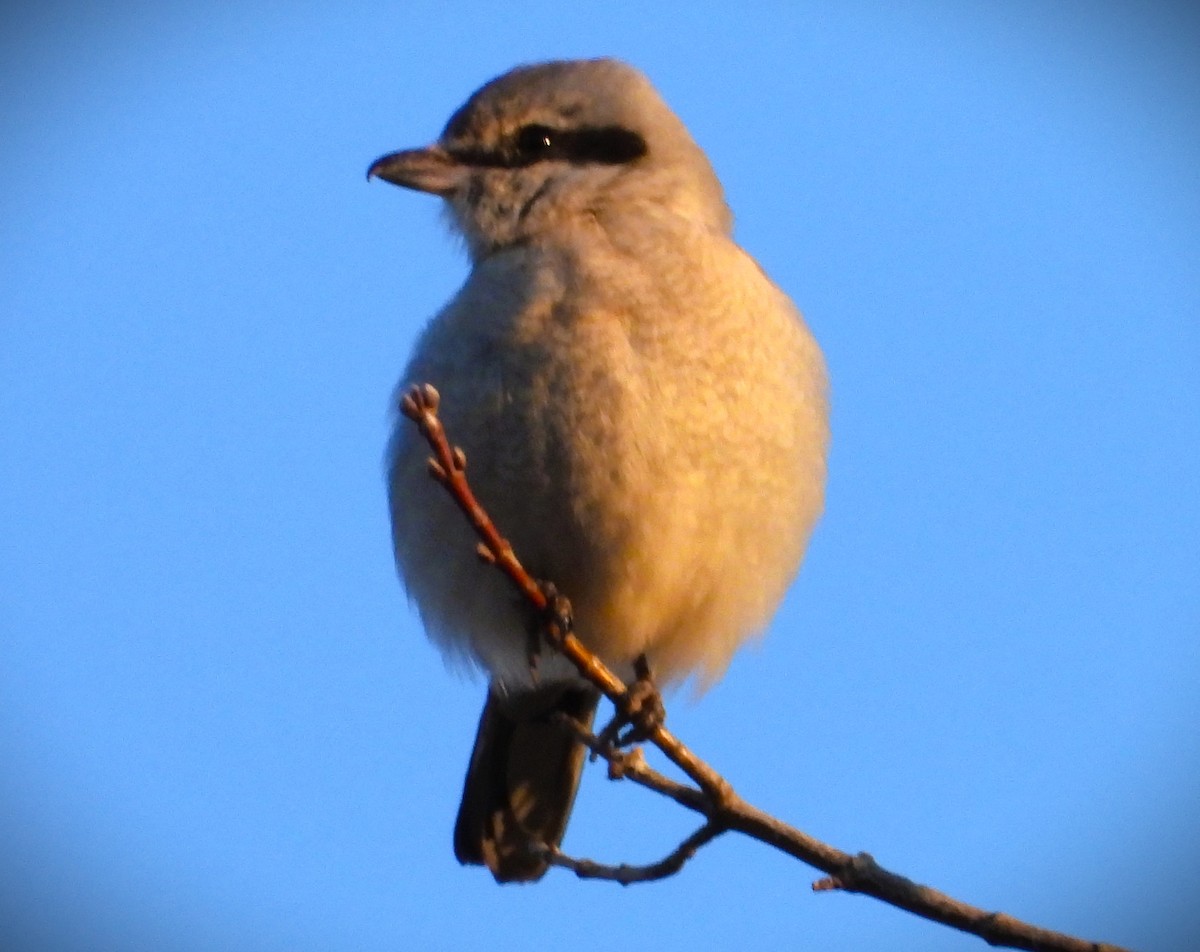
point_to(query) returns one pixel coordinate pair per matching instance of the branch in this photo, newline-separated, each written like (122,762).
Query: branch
(630,764)
(625,874)
(715,799)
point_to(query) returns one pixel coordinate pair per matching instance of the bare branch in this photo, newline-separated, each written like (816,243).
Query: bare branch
(625,874)
(715,798)
(632,764)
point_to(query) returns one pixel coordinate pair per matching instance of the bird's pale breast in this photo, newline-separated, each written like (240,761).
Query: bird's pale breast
(657,452)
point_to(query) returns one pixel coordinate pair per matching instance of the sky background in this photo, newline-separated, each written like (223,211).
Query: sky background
(220,726)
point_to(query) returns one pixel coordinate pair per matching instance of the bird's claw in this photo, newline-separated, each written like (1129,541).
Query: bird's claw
(551,624)
(641,711)
(556,621)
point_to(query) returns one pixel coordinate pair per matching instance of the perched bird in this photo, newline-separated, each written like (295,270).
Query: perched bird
(643,413)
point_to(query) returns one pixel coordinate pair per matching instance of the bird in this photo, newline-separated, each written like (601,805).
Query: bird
(644,413)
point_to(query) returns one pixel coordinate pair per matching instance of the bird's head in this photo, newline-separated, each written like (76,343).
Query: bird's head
(543,146)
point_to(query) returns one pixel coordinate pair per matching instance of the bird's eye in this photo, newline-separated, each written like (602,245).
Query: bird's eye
(535,142)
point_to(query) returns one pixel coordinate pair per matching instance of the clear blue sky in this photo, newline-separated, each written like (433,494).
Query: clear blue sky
(220,726)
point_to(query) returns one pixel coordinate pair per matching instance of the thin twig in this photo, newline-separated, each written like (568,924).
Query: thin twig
(448,467)
(631,764)
(716,800)
(626,874)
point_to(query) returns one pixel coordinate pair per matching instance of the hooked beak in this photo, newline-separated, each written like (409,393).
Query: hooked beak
(431,169)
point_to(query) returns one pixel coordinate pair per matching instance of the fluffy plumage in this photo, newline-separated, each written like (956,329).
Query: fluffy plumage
(643,411)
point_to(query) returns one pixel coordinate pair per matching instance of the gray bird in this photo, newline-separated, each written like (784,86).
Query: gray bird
(643,413)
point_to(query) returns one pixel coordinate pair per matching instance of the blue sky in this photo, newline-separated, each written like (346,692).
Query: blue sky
(220,724)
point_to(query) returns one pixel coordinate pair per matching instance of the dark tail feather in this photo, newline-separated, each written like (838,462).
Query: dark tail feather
(522,780)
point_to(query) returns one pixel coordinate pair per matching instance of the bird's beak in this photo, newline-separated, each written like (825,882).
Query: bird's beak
(431,170)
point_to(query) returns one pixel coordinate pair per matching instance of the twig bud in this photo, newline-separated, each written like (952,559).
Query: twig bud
(420,399)
(429,396)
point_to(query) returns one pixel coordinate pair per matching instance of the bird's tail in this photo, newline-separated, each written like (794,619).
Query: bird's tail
(522,779)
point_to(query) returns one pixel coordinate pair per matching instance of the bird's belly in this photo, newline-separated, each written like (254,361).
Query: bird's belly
(662,471)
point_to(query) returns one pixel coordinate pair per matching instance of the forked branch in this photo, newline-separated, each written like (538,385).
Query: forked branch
(712,796)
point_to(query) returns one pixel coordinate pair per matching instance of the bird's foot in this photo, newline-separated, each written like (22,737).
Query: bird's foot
(641,711)
(552,624)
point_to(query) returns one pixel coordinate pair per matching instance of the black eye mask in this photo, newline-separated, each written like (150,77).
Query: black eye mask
(601,145)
